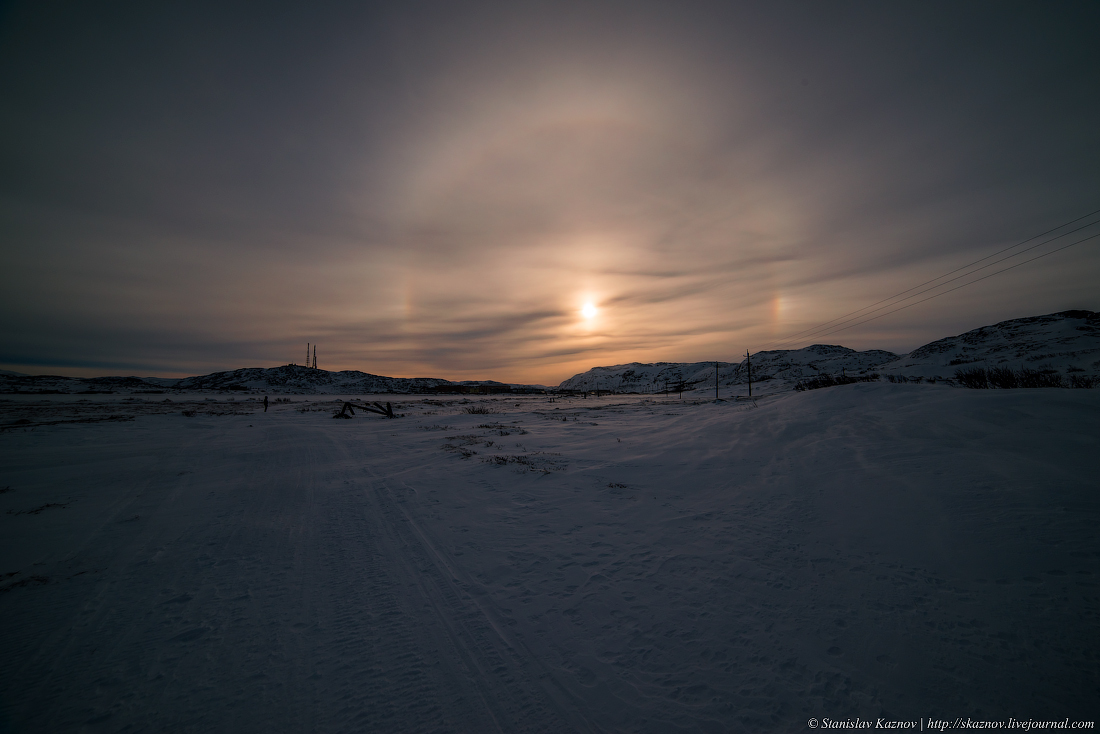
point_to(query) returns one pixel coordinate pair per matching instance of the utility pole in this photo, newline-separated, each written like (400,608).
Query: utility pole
(715,380)
(307,355)
(748,367)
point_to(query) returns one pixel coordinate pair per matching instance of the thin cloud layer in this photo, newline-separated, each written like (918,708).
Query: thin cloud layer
(424,189)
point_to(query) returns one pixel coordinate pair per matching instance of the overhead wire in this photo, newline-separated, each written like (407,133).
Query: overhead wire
(843,320)
(825,328)
(964,285)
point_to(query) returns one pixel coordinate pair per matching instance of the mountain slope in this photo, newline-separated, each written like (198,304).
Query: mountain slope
(287,380)
(303,380)
(785,366)
(1068,341)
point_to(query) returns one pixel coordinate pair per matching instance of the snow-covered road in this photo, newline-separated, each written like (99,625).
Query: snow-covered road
(612,565)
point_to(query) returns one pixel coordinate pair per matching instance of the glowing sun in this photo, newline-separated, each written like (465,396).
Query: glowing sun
(588,311)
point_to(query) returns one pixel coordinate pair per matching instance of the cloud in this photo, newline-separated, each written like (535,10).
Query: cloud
(429,189)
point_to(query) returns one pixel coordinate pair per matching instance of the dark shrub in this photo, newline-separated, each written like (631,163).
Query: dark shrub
(1040,378)
(1003,378)
(973,378)
(828,381)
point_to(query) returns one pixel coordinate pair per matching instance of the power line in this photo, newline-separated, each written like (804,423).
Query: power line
(845,318)
(951,290)
(810,331)
(818,329)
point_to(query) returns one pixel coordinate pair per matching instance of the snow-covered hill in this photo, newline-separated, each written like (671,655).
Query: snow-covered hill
(791,365)
(286,380)
(300,380)
(46,384)
(778,368)
(1068,342)
(640,377)
(297,380)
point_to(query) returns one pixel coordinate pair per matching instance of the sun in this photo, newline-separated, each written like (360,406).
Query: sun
(588,311)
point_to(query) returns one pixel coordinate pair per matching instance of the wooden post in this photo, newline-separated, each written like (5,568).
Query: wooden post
(748,367)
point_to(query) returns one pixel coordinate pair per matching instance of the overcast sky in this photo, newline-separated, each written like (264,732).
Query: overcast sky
(438,189)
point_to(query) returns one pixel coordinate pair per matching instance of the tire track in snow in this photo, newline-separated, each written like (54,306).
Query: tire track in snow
(381,672)
(520,694)
(265,592)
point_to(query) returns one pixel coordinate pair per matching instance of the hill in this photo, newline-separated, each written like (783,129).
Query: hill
(303,380)
(1065,342)
(785,365)
(285,380)
(1068,341)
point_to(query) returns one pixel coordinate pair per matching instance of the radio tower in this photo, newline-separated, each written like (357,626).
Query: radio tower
(307,354)
(314,356)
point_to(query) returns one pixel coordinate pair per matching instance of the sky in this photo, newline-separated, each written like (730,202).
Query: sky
(439,189)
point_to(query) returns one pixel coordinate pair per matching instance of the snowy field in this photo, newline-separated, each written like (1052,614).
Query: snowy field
(616,564)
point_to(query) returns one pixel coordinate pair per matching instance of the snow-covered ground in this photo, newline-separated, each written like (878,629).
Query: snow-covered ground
(639,564)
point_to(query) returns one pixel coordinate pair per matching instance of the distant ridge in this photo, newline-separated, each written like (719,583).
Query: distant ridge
(285,380)
(298,379)
(1066,342)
